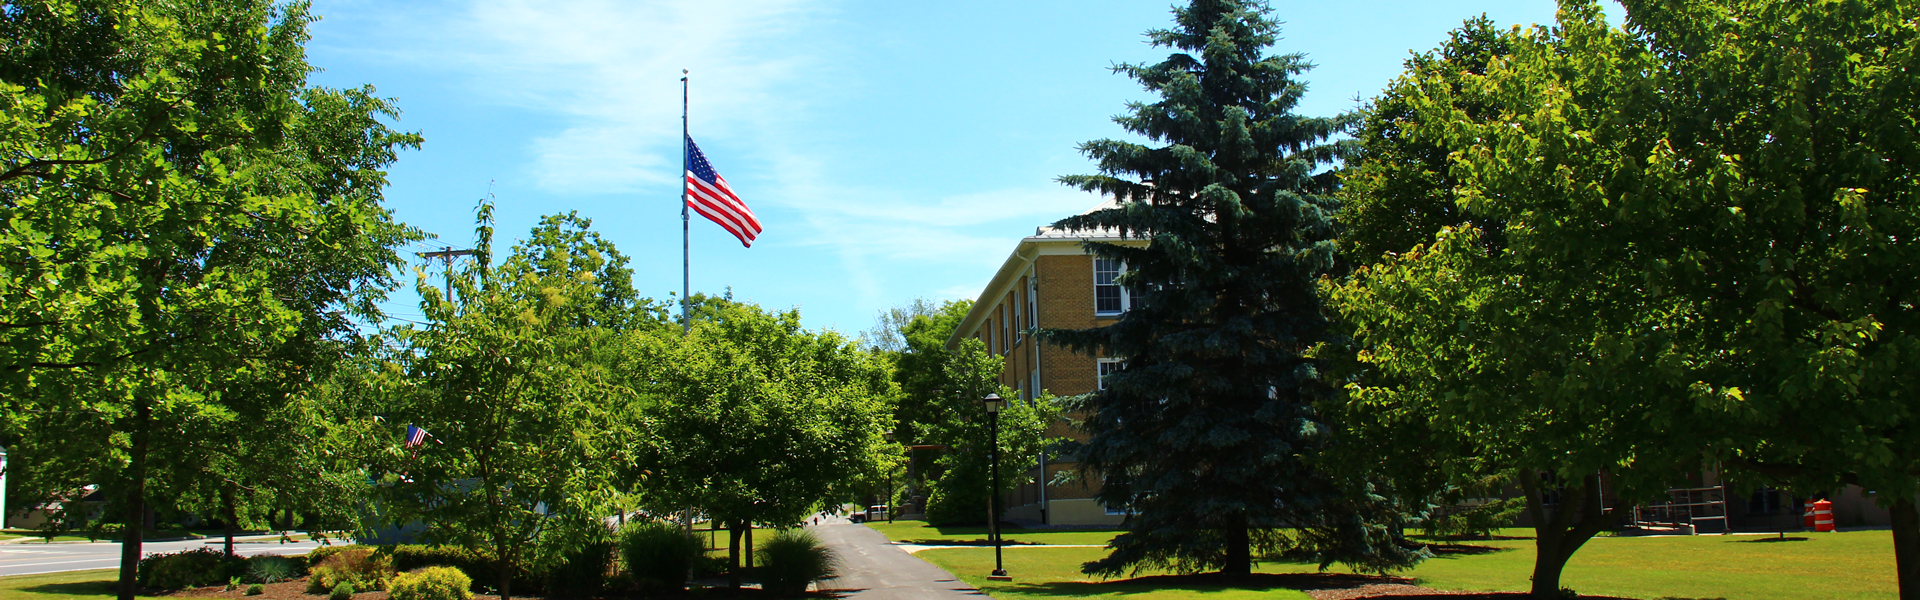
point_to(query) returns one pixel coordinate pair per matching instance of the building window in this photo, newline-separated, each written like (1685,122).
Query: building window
(1013,298)
(1109,298)
(1769,501)
(1033,384)
(1033,302)
(1107,366)
(1115,512)
(993,345)
(1007,324)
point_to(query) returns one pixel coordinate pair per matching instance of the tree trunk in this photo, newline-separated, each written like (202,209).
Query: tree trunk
(733,554)
(1239,561)
(1558,537)
(228,515)
(135,500)
(746,551)
(1906,547)
(506,574)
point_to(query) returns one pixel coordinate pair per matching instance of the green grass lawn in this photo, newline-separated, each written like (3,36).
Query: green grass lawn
(73,585)
(1847,565)
(919,532)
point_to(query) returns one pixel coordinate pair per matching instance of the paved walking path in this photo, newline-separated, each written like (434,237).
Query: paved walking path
(873,568)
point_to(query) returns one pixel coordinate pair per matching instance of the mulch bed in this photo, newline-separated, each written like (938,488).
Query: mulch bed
(1320,586)
(285,590)
(297,590)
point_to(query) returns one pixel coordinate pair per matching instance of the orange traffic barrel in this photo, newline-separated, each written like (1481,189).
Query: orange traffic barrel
(1822,515)
(1807,519)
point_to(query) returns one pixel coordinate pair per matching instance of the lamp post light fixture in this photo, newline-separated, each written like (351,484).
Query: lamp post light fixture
(993,404)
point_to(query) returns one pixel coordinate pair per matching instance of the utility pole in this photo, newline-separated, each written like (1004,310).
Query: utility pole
(446,254)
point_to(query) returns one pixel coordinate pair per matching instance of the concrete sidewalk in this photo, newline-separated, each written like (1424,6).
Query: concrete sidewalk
(873,568)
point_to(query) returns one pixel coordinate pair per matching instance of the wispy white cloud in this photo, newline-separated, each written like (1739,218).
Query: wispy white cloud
(595,79)
(903,232)
(604,73)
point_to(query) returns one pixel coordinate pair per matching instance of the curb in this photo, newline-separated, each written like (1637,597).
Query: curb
(208,539)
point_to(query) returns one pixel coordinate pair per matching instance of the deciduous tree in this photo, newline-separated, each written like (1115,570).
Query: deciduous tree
(756,420)
(514,380)
(1676,242)
(180,206)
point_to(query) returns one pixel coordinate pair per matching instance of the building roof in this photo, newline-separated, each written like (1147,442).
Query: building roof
(1023,254)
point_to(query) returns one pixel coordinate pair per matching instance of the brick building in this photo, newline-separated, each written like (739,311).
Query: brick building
(1048,281)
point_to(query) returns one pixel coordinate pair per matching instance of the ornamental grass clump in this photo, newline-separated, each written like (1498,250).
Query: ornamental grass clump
(793,559)
(358,568)
(658,555)
(431,583)
(271,569)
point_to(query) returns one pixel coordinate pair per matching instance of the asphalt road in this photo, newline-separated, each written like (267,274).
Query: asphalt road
(29,558)
(873,568)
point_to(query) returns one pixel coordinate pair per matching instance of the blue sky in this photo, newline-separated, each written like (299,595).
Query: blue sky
(892,150)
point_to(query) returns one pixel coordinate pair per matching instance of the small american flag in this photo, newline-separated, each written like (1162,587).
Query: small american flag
(416,436)
(709,195)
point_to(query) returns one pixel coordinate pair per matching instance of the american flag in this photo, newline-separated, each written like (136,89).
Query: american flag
(709,195)
(416,436)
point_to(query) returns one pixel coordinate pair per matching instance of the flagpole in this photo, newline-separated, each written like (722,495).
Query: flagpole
(686,277)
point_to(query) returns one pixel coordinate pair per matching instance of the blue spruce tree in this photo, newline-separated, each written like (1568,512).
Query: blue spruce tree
(1209,433)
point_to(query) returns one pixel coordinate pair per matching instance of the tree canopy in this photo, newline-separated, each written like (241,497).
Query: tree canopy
(1630,252)
(755,420)
(184,213)
(514,382)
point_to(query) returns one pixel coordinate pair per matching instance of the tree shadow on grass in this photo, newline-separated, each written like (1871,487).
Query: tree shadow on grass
(1451,550)
(77,588)
(1771,539)
(981,542)
(1466,538)
(1205,582)
(1262,582)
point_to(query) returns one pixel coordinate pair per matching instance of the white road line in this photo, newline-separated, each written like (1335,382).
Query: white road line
(115,559)
(45,572)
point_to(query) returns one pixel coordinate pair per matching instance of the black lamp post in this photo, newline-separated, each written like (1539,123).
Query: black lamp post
(994,404)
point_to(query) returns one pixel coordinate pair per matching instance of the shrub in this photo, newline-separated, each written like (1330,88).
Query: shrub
(319,554)
(705,566)
(256,589)
(271,569)
(191,568)
(431,583)
(793,559)
(946,507)
(344,591)
(362,568)
(479,565)
(581,572)
(658,555)
(1473,521)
